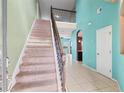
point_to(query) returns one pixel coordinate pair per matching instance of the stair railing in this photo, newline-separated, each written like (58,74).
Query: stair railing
(59,52)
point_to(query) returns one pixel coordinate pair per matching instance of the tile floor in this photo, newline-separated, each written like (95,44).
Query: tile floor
(81,79)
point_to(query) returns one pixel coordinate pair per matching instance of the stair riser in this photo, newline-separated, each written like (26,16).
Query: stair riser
(38,70)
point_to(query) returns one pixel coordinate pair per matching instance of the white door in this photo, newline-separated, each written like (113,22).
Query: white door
(104,51)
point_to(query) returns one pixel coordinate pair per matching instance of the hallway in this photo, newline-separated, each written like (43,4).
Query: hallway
(80,78)
(37,71)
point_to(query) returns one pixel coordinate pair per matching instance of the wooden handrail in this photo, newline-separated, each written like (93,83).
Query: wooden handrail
(59,52)
(64,10)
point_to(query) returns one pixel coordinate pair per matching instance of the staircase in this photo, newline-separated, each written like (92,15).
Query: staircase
(38,69)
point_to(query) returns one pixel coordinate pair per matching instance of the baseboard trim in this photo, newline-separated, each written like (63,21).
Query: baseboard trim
(117,84)
(17,70)
(103,75)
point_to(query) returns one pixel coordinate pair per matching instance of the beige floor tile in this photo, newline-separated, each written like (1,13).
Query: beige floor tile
(80,78)
(96,90)
(87,86)
(110,82)
(100,84)
(71,83)
(110,89)
(80,81)
(76,88)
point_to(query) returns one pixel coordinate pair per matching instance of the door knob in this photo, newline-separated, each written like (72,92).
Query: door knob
(98,53)
(110,70)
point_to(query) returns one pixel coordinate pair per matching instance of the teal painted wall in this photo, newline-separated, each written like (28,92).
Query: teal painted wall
(74,45)
(21,14)
(86,12)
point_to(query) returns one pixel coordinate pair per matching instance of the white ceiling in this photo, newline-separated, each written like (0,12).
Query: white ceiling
(65,29)
(62,4)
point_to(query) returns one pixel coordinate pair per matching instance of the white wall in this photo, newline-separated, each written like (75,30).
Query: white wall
(62,4)
(21,14)
(65,29)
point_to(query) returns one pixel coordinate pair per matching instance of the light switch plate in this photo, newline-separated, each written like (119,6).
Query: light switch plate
(99,10)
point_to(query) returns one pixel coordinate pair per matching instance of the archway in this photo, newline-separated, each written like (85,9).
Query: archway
(79,46)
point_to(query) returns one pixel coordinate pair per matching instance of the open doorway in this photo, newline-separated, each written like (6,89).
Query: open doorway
(79,47)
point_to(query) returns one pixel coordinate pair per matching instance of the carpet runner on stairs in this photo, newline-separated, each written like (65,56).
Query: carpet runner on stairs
(38,71)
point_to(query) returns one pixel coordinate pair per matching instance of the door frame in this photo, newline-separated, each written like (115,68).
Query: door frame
(106,27)
(77,44)
(4,46)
